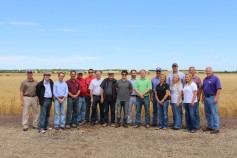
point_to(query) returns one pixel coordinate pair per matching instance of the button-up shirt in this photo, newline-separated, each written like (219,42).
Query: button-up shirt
(95,86)
(48,92)
(73,86)
(181,76)
(60,89)
(133,83)
(155,81)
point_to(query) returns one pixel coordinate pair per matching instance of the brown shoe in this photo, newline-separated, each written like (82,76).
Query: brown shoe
(207,129)
(125,125)
(104,125)
(117,125)
(147,126)
(57,128)
(215,131)
(112,125)
(25,129)
(63,128)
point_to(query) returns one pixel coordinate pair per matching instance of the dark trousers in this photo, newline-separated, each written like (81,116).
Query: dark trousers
(45,113)
(88,109)
(109,104)
(96,101)
(72,107)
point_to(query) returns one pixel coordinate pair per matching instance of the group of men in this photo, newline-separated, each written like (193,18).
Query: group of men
(83,95)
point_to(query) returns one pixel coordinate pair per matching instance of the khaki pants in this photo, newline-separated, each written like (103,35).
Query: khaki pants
(28,102)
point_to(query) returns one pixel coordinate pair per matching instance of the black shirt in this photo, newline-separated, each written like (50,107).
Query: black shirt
(161,90)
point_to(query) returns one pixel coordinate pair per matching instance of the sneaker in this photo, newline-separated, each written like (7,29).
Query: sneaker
(104,125)
(112,124)
(68,127)
(136,126)
(192,131)
(42,131)
(57,128)
(125,125)
(147,126)
(25,129)
(164,128)
(74,125)
(117,125)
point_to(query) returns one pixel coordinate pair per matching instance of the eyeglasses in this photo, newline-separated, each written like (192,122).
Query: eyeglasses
(124,74)
(90,72)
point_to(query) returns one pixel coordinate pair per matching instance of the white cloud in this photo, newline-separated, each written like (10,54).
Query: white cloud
(22,23)
(67,30)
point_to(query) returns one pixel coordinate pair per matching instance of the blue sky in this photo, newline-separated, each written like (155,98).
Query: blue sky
(107,34)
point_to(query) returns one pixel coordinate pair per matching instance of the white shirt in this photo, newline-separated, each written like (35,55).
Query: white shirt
(48,92)
(174,93)
(95,86)
(188,92)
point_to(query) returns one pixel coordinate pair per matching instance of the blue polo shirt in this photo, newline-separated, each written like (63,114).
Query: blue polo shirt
(211,85)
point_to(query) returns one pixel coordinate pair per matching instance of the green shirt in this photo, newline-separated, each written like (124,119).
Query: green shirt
(142,85)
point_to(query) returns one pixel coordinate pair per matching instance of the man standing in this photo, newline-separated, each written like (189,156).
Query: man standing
(108,98)
(198,82)
(44,91)
(60,92)
(72,101)
(81,98)
(96,98)
(29,99)
(124,89)
(88,79)
(143,87)
(132,99)
(210,95)
(155,81)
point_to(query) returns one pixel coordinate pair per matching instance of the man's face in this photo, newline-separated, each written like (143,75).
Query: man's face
(143,74)
(47,77)
(30,75)
(192,71)
(61,77)
(208,72)
(124,76)
(133,74)
(110,75)
(73,75)
(90,72)
(158,73)
(98,75)
(80,75)
(175,68)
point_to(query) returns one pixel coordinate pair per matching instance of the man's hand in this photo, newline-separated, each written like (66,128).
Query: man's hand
(215,100)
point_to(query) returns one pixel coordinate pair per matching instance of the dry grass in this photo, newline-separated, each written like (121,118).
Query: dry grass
(10,83)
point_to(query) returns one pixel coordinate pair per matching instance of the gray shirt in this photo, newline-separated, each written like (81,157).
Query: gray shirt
(124,87)
(109,90)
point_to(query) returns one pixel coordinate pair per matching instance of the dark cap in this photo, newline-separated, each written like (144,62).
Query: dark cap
(174,64)
(158,69)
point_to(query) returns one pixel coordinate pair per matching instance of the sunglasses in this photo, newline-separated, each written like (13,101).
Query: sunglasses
(124,74)
(110,74)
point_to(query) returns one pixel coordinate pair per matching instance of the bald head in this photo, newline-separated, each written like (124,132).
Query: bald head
(209,71)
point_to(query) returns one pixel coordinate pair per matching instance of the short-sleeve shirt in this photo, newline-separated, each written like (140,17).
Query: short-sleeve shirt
(95,86)
(28,88)
(124,87)
(73,86)
(174,93)
(211,85)
(181,76)
(188,92)
(155,81)
(83,88)
(161,90)
(142,85)
(88,80)
(198,81)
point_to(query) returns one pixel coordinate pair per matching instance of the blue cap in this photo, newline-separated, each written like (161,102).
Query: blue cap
(158,69)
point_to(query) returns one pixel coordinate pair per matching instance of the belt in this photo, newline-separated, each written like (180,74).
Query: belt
(133,95)
(207,96)
(48,98)
(61,97)
(29,96)
(96,95)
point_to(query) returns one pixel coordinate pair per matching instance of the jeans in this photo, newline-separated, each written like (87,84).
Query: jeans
(45,113)
(139,103)
(177,115)
(96,100)
(120,105)
(82,110)
(190,116)
(72,108)
(155,108)
(132,101)
(211,112)
(88,109)
(59,113)
(198,115)
(163,114)
(109,104)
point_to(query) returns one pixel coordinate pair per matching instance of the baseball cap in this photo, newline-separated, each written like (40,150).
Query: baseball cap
(29,71)
(158,69)
(80,72)
(47,73)
(174,64)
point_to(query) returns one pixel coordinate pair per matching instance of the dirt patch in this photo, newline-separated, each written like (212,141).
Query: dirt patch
(87,141)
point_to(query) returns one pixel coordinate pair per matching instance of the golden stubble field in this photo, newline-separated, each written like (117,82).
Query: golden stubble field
(10,83)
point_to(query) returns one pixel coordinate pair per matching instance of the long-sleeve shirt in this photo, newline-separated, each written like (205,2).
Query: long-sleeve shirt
(60,89)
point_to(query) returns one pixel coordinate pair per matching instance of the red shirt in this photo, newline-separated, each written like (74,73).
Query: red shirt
(73,86)
(83,87)
(88,81)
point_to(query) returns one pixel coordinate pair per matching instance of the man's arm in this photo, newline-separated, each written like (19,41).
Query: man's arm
(218,92)
(21,98)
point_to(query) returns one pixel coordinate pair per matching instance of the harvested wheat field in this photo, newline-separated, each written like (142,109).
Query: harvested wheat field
(88,141)
(97,141)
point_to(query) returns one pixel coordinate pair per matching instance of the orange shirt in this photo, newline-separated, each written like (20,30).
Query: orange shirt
(88,81)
